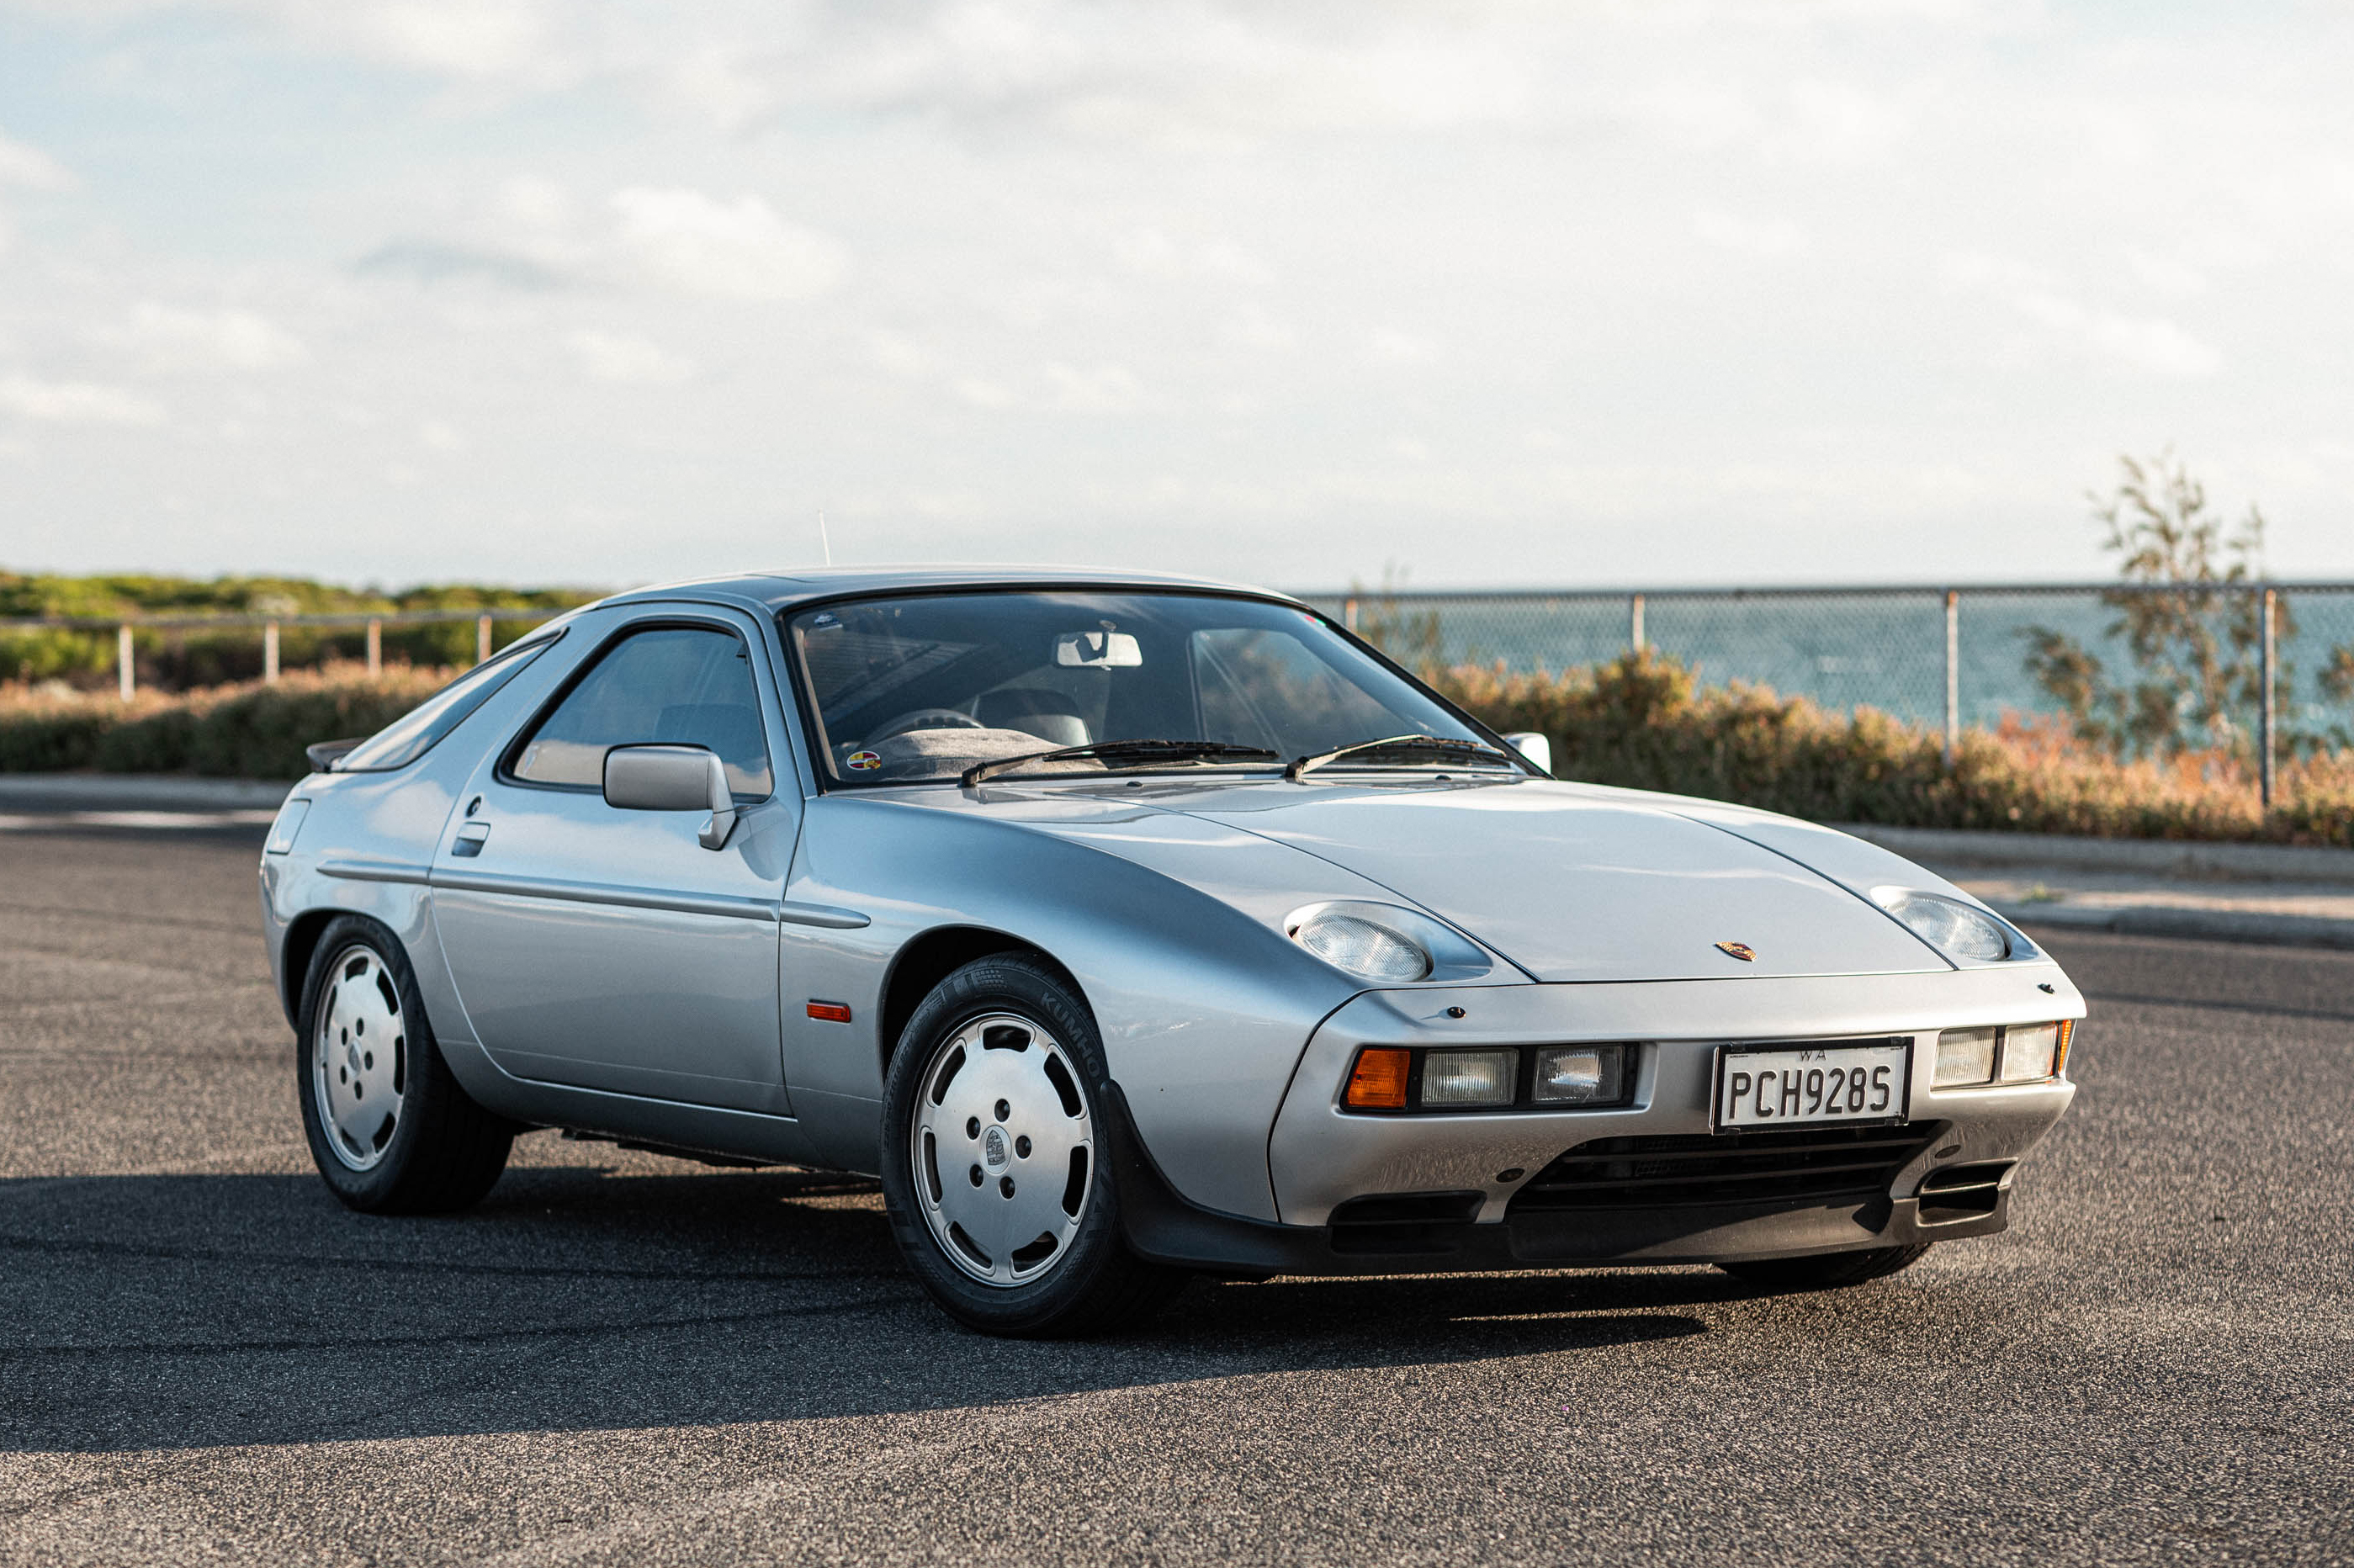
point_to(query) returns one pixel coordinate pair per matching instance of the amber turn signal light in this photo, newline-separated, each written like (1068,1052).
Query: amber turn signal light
(2060,1057)
(1378,1080)
(830,1012)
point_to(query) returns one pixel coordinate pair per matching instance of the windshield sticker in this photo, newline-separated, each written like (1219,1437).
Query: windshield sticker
(862,761)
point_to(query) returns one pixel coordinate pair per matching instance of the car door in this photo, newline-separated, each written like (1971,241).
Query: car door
(609,948)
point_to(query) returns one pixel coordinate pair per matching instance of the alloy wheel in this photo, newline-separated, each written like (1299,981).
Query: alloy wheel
(1004,1148)
(359,1067)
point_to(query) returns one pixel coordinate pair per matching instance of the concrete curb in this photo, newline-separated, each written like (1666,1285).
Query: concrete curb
(2151,857)
(80,790)
(2244,926)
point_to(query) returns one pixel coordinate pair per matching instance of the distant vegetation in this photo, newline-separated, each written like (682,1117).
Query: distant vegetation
(177,659)
(1641,721)
(244,731)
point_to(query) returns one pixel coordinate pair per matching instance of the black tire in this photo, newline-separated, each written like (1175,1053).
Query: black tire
(441,1150)
(1094,1283)
(1826,1271)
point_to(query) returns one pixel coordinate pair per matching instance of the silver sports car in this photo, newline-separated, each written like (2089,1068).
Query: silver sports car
(1129,928)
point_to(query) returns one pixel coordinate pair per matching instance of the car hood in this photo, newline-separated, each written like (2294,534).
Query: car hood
(1578,885)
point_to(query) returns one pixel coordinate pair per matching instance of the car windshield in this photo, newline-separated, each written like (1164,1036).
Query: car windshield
(923,686)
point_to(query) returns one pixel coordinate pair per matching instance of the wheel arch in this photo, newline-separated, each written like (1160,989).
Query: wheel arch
(303,934)
(919,968)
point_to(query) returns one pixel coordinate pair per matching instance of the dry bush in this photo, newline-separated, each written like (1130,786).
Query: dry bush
(250,730)
(1642,721)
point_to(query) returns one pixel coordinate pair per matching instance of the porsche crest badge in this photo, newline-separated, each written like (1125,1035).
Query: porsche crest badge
(1742,950)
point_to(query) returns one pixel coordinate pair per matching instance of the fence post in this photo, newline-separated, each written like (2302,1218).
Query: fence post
(2272,667)
(270,651)
(376,648)
(1953,674)
(125,682)
(1634,622)
(483,641)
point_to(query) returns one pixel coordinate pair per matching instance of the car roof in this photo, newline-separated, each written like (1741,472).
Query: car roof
(784,590)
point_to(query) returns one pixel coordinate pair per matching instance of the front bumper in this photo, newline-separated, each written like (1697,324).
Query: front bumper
(1533,1189)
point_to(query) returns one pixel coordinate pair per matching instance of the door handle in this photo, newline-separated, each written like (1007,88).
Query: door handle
(469,841)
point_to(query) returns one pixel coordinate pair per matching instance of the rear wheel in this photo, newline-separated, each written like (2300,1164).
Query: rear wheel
(390,1129)
(993,1160)
(1826,1271)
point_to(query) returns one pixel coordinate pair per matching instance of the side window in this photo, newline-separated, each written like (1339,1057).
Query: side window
(677,685)
(410,738)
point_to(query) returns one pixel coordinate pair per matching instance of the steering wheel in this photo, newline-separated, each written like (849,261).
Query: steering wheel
(925,719)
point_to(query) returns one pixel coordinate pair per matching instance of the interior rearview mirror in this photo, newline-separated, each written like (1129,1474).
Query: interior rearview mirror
(673,778)
(1533,746)
(1098,650)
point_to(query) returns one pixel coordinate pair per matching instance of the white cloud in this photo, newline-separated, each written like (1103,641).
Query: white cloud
(2153,344)
(166,338)
(474,39)
(532,234)
(1390,346)
(1255,327)
(1769,239)
(983,393)
(2163,274)
(1154,253)
(1093,389)
(75,402)
(626,357)
(1841,122)
(740,249)
(28,168)
(2147,343)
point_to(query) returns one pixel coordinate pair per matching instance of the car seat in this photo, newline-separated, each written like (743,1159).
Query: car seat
(1034,710)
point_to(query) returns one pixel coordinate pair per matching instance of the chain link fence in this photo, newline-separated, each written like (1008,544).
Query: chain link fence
(1957,656)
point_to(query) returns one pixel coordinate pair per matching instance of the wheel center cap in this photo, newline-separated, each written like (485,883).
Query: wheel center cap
(992,1147)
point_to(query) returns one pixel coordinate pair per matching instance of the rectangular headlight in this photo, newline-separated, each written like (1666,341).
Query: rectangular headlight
(1580,1074)
(1965,1056)
(2028,1050)
(1469,1078)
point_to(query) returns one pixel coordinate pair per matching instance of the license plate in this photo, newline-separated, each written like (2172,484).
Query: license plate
(1790,1086)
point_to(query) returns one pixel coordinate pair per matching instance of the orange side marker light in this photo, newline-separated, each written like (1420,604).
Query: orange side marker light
(830,1011)
(1378,1080)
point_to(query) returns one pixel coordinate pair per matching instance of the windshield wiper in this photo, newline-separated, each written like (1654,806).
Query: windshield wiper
(1445,746)
(1145,751)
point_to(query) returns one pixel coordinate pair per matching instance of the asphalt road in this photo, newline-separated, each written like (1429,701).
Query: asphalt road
(622,1359)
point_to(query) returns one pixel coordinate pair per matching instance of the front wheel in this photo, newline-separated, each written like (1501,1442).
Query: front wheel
(1826,1271)
(390,1129)
(993,1160)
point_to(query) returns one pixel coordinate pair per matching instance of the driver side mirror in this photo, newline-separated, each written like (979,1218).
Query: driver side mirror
(1533,746)
(673,778)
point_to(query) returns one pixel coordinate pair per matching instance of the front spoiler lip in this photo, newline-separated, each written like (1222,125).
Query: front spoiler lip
(1164,1227)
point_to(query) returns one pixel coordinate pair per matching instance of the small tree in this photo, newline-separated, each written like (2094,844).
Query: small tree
(2185,612)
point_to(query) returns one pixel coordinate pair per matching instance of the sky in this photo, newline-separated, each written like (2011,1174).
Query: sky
(1503,294)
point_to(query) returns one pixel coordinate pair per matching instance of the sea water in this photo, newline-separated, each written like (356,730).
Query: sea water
(1881,648)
